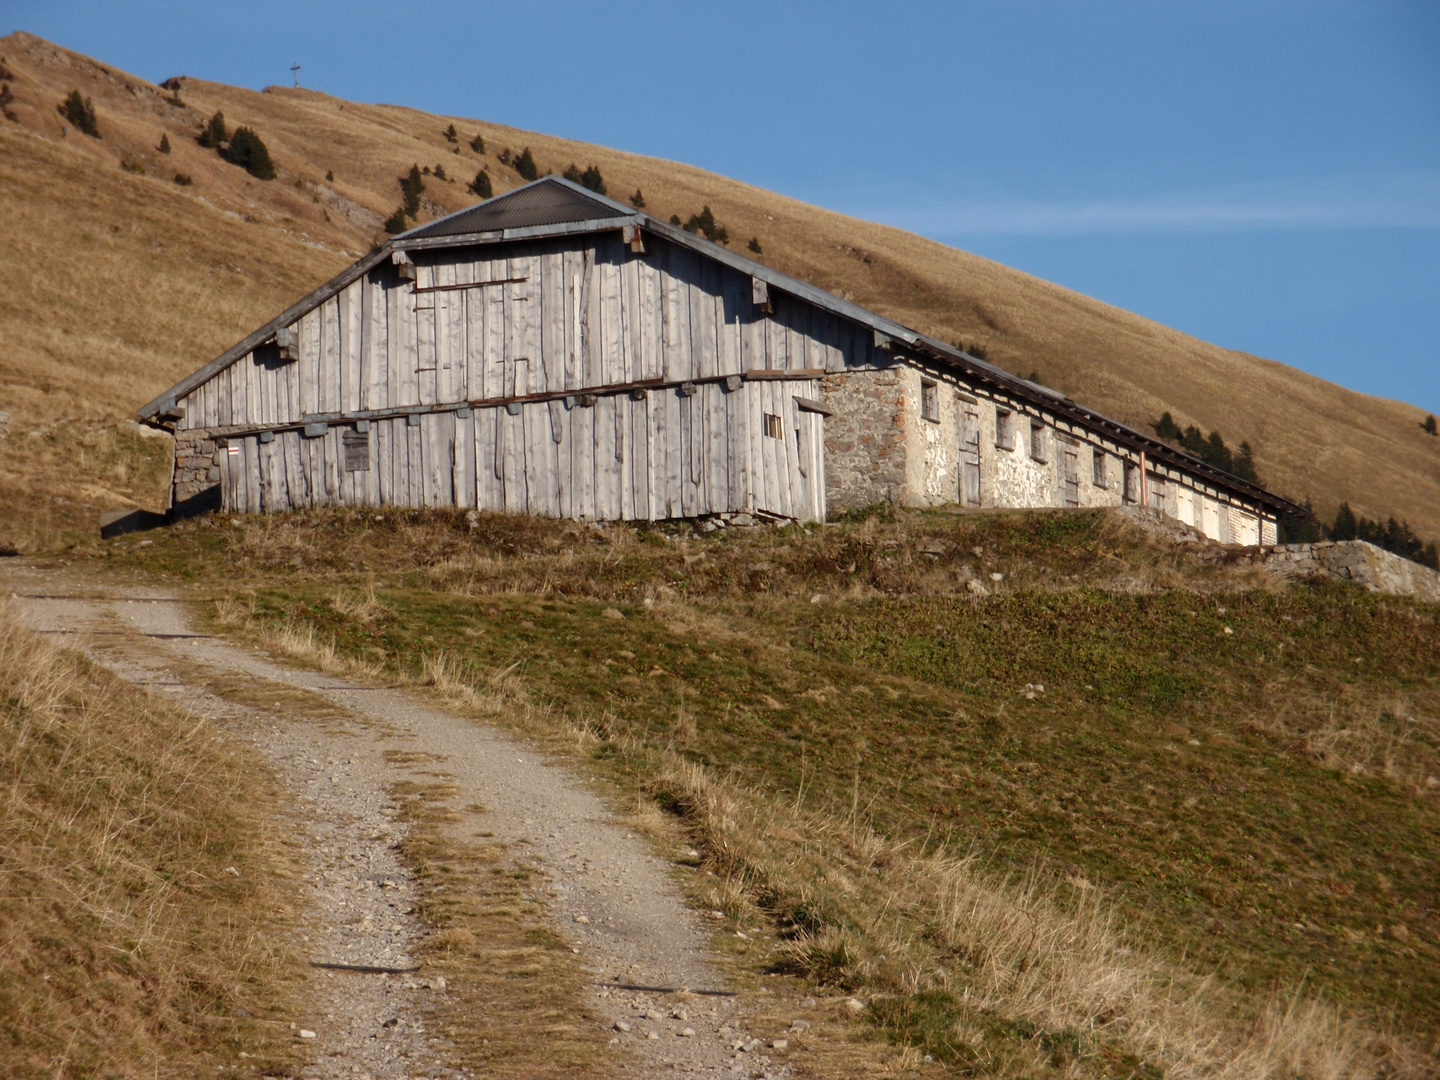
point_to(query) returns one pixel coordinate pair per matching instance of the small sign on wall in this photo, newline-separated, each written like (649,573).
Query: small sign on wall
(357,450)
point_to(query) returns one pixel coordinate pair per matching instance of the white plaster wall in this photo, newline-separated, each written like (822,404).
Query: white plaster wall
(1019,480)
(1092,494)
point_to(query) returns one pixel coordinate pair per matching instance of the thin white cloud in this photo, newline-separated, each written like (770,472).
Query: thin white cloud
(1353,201)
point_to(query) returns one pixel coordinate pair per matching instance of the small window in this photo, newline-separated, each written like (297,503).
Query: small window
(1132,482)
(1004,429)
(930,401)
(1039,442)
(774,427)
(1099,468)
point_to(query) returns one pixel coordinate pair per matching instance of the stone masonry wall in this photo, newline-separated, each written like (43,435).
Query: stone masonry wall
(1365,564)
(865,439)
(196,468)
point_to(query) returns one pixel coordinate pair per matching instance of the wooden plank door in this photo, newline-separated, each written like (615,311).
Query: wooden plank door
(969,454)
(810,433)
(1069,475)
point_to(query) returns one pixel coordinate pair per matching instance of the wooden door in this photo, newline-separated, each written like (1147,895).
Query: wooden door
(969,454)
(787,451)
(1069,475)
(810,448)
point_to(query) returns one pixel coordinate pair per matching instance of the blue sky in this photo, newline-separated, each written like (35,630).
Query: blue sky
(1265,176)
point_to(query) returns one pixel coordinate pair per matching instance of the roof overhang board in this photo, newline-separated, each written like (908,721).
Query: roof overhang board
(498,236)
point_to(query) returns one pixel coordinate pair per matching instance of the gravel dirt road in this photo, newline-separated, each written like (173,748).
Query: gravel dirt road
(604,889)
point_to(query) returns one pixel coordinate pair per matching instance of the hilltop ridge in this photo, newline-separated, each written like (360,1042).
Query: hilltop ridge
(92,219)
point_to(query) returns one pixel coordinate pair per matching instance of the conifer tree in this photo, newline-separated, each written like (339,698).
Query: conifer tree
(637,200)
(525,166)
(1345,526)
(451,134)
(81,112)
(1243,465)
(213,134)
(164,146)
(1167,429)
(754,245)
(481,184)
(411,185)
(1429,425)
(477,144)
(395,223)
(247,150)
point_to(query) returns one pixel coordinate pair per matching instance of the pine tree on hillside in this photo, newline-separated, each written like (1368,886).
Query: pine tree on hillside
(80,112)
(164,146)
(1243,465)
(1167,429)
(637,200)
(705,224)
(451,134)
(213,134)
(411,185)
(525,166)
(395,223)
(248,150)
(481,185)
(1429,425)
(477,144)
(754,245)
(1345,526)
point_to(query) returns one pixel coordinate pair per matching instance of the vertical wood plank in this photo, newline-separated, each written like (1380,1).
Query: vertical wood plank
(638,458)
(551,298)
(330,374)
(582,462)
(487,491)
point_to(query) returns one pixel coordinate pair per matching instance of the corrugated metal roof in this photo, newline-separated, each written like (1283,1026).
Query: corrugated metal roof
(548,201)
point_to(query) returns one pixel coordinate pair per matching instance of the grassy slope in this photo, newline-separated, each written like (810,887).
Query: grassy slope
(126,946)
(1260,800)
(218,258)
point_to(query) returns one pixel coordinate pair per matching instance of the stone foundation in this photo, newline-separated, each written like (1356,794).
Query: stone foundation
(197,469)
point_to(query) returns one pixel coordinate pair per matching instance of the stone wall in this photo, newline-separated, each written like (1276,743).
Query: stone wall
(865,447)
(1365,564)
(196,468)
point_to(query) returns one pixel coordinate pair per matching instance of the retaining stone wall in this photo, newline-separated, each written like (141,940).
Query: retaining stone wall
(1365,564)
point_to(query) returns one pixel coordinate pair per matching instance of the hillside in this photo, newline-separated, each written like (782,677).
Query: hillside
(119,281)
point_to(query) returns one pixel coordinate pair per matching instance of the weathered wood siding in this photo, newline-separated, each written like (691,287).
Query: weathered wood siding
(434,365)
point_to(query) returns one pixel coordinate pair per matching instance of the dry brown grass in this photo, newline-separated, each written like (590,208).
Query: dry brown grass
(219,258)
(145,894)
(883,919)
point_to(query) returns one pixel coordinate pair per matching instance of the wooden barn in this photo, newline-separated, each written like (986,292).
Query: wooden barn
(552,352)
